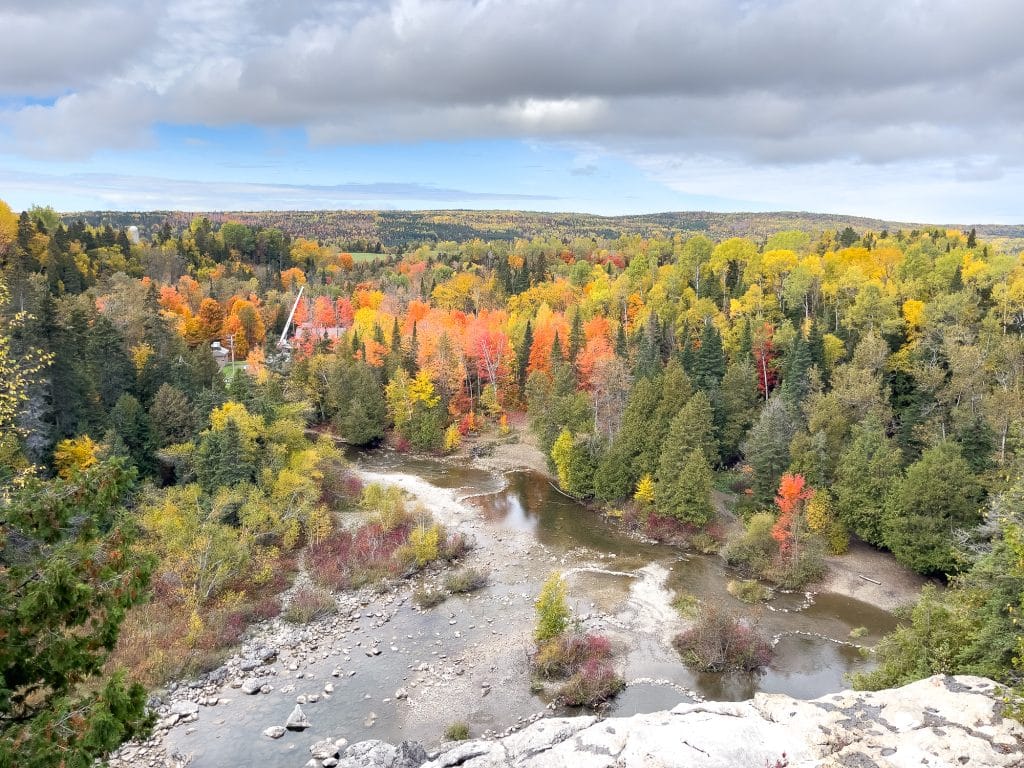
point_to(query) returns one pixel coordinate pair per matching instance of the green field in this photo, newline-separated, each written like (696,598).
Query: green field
(229,370)
(366,256)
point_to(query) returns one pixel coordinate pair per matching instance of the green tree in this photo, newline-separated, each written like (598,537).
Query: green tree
(552,609)
(766,448)
(686,495)
(868,469)
(69,574)
(170,416)
(939,495)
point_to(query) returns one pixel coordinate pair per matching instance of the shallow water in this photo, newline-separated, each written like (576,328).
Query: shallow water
(476,647)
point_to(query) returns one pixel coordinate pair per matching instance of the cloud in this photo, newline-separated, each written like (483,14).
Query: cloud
(763,83)
(96,190)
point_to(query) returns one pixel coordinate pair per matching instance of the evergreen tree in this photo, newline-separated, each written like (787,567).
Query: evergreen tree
(621,344)
(70,574)
(709,362)
(412,365)
(364,420)
(170,416)
(613,478)
(686,493)
(131,424)
(745,350)
(796,382)
(648,359)
(938,496)
(739,401)
(867,472)
(691,430)
(523,359)
(109,364)
(637,429)
(766,448)
(576,339)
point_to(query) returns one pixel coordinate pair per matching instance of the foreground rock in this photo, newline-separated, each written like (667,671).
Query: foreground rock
(941,721)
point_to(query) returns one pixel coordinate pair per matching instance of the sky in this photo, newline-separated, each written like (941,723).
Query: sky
(910,110)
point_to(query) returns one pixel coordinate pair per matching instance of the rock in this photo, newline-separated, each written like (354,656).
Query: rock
(328,688)
(401,693)
(370,719)
(297,720)
(275,732)
(184,708)
(324,749)
(251,686)
(939,721)
(369,754)
(248,665)
(266,654)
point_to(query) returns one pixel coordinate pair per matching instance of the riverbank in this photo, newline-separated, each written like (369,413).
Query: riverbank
(863,573)
(385,669)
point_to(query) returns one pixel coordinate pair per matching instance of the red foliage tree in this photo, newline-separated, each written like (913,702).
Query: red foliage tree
(791,500)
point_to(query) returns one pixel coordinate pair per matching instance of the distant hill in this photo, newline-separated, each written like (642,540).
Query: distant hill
(401,228)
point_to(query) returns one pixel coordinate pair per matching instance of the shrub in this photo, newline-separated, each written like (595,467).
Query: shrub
(350,559)
(705,543)
(457,731)
(686,603)
(565,655)
(754,549)
(858,632)
(309,604)
(386,505)
(595,683)
(466,580)
(667,529)
(423,540)
(552,609)
(425,597)
(796,572)
(748,590)
(719,642)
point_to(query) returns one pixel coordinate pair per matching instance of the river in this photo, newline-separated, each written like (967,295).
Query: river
(466,660)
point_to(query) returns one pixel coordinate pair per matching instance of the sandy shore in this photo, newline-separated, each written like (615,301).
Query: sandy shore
(855,575)
(509,457)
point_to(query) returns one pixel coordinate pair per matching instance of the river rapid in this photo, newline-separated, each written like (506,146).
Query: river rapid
(467,659)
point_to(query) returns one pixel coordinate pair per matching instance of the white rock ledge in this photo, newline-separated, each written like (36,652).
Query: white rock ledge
(942,721)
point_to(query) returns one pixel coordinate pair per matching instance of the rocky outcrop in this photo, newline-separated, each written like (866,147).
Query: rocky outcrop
(941,721)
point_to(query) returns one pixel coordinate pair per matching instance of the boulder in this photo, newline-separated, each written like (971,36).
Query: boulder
(275,732)
(324,749)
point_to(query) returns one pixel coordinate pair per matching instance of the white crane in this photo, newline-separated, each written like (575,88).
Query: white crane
(283,341)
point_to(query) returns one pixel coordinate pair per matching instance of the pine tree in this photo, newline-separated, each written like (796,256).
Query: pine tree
(621,344)
(691,430)
(71,573)
(613,478)
(131,424)
(796,381)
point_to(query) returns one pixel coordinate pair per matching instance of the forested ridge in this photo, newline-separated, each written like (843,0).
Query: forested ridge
(360,230)
(834,383)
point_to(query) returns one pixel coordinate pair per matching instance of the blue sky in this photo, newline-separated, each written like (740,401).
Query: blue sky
(872,108)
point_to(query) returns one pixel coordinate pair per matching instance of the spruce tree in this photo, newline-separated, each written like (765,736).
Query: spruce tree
(523,359)
(766,448)
(576,339)
(709,362)
(621,343)
(170,416)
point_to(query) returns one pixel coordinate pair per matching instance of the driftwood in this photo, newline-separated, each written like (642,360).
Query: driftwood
(871,580)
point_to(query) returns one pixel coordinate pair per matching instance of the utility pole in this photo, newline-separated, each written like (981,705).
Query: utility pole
(231,341)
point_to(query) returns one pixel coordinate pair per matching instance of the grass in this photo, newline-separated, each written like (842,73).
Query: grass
(457,731)
(309,604)
(466,580)
(748,590)
(229,370)
(858,632)
(425,597)
(686,604)
(363,256)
